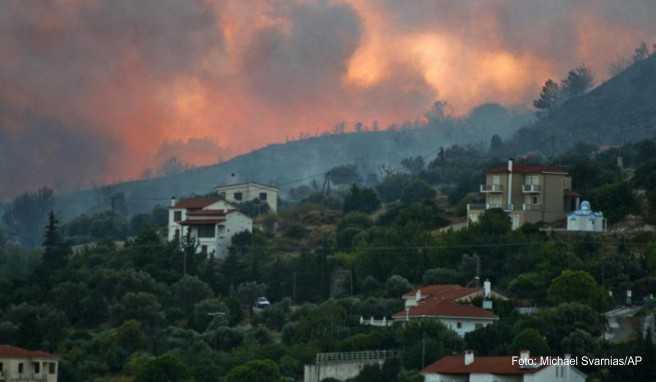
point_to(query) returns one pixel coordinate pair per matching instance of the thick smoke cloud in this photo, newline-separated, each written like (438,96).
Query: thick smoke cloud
(97,91)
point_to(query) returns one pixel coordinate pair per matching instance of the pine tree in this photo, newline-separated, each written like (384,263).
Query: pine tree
(54,251)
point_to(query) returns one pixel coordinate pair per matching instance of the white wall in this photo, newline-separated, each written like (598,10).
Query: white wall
(467,324)
(10,369)
(250,191)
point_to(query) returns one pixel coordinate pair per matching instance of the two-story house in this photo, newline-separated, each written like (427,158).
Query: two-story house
(22,365)
(246,192)
(528,193)
(209,220)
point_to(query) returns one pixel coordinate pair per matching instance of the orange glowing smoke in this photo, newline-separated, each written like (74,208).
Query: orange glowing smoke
(248,73)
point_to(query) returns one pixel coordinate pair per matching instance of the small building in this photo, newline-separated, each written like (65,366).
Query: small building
(250,191)
(584,219)
(345,365)
(628,323)
(461,318)
(210,221)
(22,365)
(521,368)
(528,194)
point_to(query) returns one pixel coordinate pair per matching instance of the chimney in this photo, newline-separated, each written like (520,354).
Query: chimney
(487,288)
(469,357)
(510,165)
(629,294)
(418,295)
(524,355)
(173,201)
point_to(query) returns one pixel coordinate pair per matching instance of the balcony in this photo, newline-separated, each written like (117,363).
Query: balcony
(531,207)
(491,188)
(531,188)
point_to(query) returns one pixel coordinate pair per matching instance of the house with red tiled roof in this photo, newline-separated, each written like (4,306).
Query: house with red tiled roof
(452,305)
(528,193)
(520,368)
(18,364)
(209,221)
(450,292)
(461,318)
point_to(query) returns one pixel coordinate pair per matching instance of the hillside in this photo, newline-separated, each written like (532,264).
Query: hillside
(298,162)
(621,110)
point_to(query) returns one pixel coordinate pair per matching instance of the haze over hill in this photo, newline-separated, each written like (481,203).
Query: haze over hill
(621,110)
(299,162)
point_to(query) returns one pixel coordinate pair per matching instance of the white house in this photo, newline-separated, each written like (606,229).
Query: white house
(246,192)
(209,220)
(521,368)
(461,318)
(18,364)
(584,219)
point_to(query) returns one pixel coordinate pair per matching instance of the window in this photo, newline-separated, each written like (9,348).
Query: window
(20,368)
(532,179)
(263,196)
(37,367)
(459,325)
(478,326)
(206,231)
(203,249)
(177,234)
(221,228)
(177,216)
(52,368)
(496,179)
(238,196)
(535,200)
(2,367)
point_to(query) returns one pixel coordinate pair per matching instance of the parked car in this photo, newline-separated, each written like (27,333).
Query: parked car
(262,303)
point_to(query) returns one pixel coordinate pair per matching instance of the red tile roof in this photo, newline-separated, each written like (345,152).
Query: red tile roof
(197,202)
(8,351)
(442,308)
(483,365)
(449,292)
(526,169)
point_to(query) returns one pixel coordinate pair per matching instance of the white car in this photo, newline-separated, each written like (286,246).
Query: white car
(262,303)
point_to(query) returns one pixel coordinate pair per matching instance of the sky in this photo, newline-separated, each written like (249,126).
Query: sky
(96,91)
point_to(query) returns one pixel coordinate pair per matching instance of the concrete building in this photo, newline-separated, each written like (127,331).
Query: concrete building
(246,192)
(345,365)
(210,221)
(528,193)
(468,368)
(586,220)
(22,365)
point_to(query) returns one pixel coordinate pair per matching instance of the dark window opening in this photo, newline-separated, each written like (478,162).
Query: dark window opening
(459,325)
(206,231)
(203,249)
(177,234)
(20,368)
(37,367)
(52,368)
(177,216)
(263,196)
(238,196)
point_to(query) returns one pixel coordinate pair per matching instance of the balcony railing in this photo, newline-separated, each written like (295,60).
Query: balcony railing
(531,207)
(491,188)
(530,188)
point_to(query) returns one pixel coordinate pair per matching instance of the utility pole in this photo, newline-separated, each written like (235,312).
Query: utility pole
(423,349)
